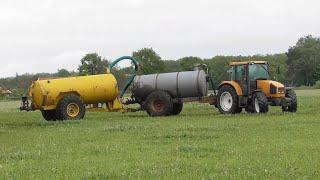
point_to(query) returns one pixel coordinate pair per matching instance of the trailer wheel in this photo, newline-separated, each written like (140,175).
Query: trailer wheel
(259,103)
(293,106)
(159,103)
(49,115)
(227,100)
(70,107)
(177,108)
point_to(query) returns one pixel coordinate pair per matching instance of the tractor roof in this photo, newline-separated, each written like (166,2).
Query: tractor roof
(247,62)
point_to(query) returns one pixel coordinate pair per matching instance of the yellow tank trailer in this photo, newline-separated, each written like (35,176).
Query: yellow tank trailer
(66,98)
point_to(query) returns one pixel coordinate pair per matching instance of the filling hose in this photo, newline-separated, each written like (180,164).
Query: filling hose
(133,73)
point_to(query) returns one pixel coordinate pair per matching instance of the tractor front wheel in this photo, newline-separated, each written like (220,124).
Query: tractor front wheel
(294,104)
(259,103)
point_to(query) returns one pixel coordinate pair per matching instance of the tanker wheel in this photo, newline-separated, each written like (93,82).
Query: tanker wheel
(227,100)
(70,107)
(177,108)
(159,103)
(49,115)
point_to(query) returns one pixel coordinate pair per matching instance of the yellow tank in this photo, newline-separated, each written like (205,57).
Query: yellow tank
(46,94)
(69,98)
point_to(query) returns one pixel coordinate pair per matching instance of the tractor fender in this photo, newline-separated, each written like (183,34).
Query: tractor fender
(233,84)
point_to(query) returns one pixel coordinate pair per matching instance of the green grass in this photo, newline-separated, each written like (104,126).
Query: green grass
(199,143)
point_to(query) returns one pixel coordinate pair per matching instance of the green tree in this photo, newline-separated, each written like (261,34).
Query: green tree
(150,62)
(172,66)
(304,61)
(93,64)
(63,73)
(188,63)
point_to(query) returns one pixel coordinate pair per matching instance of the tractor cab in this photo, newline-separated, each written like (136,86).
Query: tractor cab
(247,74)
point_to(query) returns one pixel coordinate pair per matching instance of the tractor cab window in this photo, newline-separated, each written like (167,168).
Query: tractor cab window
(237,73)
(258,71)
(231,73)
(240,73)
(240,76)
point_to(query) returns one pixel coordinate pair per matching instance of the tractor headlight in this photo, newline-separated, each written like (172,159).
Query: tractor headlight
(281,90)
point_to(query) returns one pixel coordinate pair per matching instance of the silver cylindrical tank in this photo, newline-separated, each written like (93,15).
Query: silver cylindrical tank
(178,84)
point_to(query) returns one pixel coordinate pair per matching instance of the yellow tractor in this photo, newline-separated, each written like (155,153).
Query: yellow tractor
(251,88)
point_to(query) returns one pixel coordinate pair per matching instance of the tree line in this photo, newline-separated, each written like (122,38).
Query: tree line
(300,66)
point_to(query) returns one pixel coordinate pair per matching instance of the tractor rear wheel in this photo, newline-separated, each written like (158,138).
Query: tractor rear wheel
(70,107)
(227,100)
(259,103)
(49,115)
(159,103)
(177,108)
(294,104)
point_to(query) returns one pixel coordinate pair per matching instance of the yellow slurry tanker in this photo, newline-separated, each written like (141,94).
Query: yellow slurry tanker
(249,88)
(66,98)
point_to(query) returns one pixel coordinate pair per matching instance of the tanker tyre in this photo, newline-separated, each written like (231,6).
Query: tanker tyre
(49,115)
(227,100)
(70,107)
(294,104)
(177,108)
(159,103)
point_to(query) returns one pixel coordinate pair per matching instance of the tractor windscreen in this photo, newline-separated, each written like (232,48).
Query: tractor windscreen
(258,71)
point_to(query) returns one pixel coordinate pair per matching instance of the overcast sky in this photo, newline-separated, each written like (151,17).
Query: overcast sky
(44,35)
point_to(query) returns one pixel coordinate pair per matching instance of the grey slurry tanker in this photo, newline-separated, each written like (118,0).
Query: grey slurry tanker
(164,94)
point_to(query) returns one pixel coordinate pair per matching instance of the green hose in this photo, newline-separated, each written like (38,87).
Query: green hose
(133,73)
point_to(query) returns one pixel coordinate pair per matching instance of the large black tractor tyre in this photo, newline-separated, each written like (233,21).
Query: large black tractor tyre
(239,110)
(249,108)
(259,103)
(177,108)
(49,115)
(294,104)
(227,100)
(159,103)
(70,107)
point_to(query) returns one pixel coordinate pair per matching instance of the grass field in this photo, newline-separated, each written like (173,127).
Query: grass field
(198,144)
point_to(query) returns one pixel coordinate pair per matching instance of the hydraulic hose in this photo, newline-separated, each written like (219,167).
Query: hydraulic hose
(133,73)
